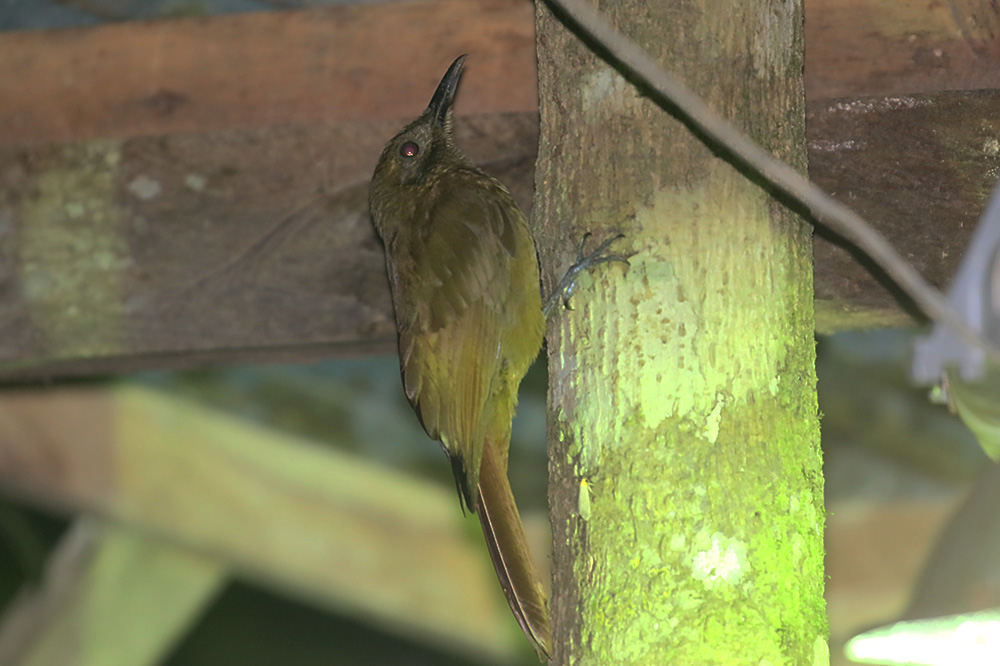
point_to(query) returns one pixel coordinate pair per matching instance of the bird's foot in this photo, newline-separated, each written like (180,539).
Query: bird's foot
(564,290)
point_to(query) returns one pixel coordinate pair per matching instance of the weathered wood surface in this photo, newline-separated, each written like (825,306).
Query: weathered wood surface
(189,192)
(870,47)
(244,245)
(301,518)
(110,595)
(340,64)
(920,167)
(378,61)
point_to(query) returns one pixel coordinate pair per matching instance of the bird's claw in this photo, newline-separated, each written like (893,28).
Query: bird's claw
(564,290)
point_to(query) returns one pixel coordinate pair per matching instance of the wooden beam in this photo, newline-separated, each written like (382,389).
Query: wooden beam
(332,65)
(109,596)
(858,48)
(247,245)
(378,61)
(324,526)
(920,168)
(229,225)
(192,249)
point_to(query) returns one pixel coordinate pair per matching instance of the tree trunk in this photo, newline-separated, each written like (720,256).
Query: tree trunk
(686,481)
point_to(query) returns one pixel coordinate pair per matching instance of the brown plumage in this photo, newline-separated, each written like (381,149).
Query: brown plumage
(465,288)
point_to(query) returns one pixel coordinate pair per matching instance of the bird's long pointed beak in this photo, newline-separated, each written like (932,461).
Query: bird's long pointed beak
(444,96)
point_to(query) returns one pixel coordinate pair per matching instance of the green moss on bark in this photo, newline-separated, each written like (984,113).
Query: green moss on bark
(72,252)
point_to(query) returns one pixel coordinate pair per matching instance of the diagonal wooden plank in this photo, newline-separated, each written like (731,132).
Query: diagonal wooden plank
(109,596)
(333,529)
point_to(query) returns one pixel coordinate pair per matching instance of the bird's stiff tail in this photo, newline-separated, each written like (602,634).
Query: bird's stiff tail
(508,548)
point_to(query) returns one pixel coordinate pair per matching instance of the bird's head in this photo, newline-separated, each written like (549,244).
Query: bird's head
(427,143)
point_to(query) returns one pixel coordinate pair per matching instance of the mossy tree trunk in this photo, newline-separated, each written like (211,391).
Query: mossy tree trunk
(687,490)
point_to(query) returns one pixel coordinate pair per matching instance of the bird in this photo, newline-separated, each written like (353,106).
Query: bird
(464,276)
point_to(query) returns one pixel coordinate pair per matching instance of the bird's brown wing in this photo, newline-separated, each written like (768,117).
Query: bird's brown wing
(470,325)
(450,344)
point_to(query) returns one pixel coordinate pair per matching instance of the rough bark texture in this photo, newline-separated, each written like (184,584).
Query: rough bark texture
(687,492)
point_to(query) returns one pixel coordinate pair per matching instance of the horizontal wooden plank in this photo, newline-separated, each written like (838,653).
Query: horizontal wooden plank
(378,61)
(328,527)
(337,64)
(174,248)
(256,245)
(204,248)
(919,167)
(872,47)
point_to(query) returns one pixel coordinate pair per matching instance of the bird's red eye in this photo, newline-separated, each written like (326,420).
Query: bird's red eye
(409,149)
